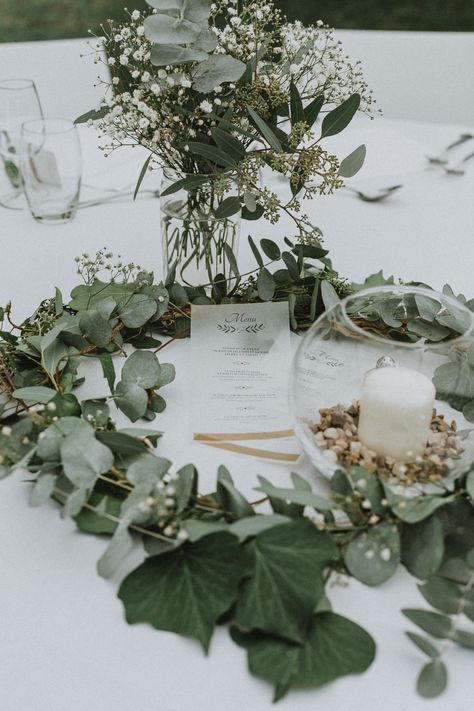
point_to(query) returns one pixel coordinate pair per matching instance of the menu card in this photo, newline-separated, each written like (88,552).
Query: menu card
(240,364)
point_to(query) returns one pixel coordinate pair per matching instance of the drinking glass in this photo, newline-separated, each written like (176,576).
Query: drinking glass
(19,102)
(50,167)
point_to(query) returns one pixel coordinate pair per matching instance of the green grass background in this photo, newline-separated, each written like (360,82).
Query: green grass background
(55,19)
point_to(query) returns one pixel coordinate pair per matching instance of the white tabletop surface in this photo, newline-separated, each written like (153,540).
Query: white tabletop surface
(64,641)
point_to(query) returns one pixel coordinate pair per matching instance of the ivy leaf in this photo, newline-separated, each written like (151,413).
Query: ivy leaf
(253,525)
(432,680)
(187,590)
(333,647)
(131,399)
(282,592)
(141,368)
(336,120)
(137,310)
(374,555)
(353,162)
(423,547)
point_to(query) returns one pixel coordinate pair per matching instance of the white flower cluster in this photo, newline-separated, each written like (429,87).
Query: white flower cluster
(160,109)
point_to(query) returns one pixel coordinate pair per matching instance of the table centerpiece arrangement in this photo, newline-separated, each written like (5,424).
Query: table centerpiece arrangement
(263,567)
(219,92)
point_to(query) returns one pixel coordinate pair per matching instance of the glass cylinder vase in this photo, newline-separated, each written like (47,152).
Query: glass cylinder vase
(194,241)
(385,380)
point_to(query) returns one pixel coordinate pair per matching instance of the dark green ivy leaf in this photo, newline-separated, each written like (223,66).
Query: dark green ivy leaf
(187,590)
(286,584)
(334,646)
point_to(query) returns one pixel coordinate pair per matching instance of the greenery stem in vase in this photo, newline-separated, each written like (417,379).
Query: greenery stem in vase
(195,239)
(219,92)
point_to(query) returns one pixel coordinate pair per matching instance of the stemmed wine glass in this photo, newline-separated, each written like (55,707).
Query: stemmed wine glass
(19,102)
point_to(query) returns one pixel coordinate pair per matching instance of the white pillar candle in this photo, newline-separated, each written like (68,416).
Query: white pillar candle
(395,412)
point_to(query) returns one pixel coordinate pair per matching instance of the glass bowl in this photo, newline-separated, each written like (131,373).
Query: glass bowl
(385,379)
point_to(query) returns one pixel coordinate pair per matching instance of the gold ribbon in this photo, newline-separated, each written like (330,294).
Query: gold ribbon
(223,440)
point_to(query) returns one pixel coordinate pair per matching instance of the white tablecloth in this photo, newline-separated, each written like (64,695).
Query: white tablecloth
(64,642)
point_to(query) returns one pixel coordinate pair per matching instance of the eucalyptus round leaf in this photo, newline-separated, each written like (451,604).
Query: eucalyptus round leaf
(374,555)
(432,680)
(216,70)
(163,55)
(142,368)
(131,399)
(165,29)
(84,458)
(137,310)
(423,547)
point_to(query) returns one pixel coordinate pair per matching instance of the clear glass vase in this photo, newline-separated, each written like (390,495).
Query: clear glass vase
(385,379)
(194,241)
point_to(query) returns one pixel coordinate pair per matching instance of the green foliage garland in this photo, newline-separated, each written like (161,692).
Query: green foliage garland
(217,558)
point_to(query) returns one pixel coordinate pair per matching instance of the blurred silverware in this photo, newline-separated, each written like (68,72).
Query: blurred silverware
(458,169)
(118,197)
(442,158)
(376,194)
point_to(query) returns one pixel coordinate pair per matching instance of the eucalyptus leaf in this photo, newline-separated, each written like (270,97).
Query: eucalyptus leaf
(296,496)
(137,310)
(131,399)
(373,556)
(163,55)
(96,328)
(432,680)
(84,458)
(265,285)
(34,394)
(141,368)
(218,69)
(424,644)
(336,120)
(435,624)
(353,162)
(442,594)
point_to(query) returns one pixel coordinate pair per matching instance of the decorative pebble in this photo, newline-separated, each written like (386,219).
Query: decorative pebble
(337,435)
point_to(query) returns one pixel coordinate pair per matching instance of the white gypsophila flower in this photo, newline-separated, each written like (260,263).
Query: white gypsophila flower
(135,15)
(186,82)
(115,81)
(111,61)
(135,74)
(155,88)
(146,76)
(206,106)
(140,31)
(162,74)
(123,60)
